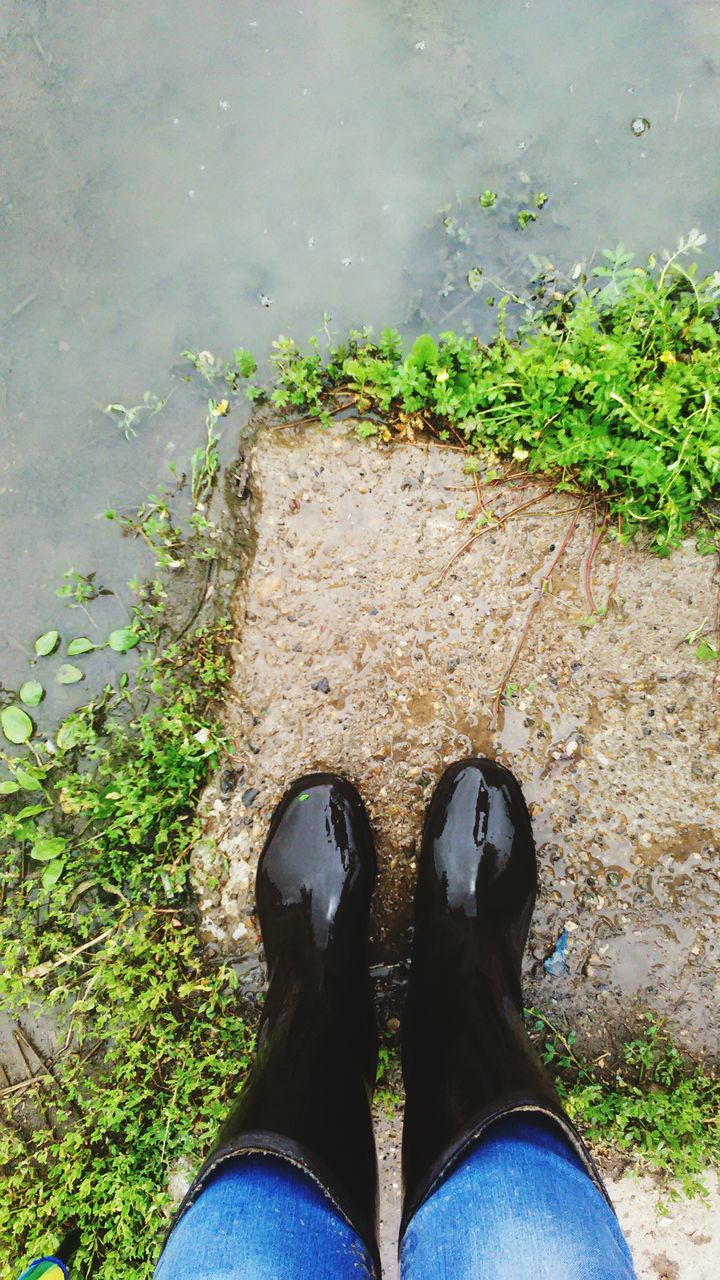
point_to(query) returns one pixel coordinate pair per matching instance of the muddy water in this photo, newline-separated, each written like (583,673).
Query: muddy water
(351,657)
(216,174)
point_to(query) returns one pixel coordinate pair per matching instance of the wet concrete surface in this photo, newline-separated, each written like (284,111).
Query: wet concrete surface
(349,658)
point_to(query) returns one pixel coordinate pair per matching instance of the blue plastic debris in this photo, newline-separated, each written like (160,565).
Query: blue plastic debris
(556,964)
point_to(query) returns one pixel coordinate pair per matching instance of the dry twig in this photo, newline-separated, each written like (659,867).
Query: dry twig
(312,417)
(534,604)
(496,523)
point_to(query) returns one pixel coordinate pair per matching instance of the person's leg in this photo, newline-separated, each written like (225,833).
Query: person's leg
(262,1219)
(307,1098)
(468,1062)
(519,1206)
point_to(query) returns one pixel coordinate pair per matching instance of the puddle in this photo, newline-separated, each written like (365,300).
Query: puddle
(349,659)
(164,180)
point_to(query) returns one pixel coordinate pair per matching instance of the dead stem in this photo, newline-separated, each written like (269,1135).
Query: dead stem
(534,604)
(41,970)
(497,523)
(716,620)
(312,417)
(47,1062)
(40,1076)
(479,504)
(597,537)
(618,560)
(21,1042)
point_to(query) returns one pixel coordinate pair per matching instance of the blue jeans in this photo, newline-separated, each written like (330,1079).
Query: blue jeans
(520,1206)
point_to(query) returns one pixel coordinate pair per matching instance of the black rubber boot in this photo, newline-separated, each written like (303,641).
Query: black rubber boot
(307,1098)
(467,1059)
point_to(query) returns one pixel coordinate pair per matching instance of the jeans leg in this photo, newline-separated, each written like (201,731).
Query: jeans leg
(260,1218)
(520,1206)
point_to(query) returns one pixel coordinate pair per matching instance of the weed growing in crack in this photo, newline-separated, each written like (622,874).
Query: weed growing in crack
(658,1107)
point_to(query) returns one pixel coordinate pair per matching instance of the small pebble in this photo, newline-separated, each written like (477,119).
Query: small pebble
(322,685)
(228,781)
(249,797)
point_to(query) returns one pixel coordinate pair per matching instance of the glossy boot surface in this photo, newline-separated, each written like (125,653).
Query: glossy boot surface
(467,1059)
(307,1098)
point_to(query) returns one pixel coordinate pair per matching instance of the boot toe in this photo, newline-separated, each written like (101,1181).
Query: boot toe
(478,844)
(318,856)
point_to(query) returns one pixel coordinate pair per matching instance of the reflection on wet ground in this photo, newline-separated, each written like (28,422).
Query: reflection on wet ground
(349,658)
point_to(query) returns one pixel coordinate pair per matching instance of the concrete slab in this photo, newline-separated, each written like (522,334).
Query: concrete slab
(349,658)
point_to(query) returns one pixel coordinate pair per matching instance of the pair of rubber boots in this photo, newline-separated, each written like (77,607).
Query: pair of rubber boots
(467,1059)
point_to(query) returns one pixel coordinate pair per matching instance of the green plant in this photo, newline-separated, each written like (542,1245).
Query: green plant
(98,932)
(611,388)
(388,1075)
(154,522)
(206,459)
(242,366)
(79,589)
(157,520)
(129,419)
(659,1107)
(47,643)
(699,636)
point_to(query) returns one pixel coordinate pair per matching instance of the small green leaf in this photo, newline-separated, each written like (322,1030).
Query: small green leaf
(123,639)
(31,811)
(52,873)
(305,796)
(541,199)
(707,541)
(68,674)
(16,724)
(488,198)
(31,693)
(244,363)
(706,652)
(46,643)
(68,735)
(9,787)
(28,781)
(80,645)
(525,216)
(47,848)
(692,636)
(424,352)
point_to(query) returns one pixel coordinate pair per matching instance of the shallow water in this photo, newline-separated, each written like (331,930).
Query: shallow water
(168,171)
